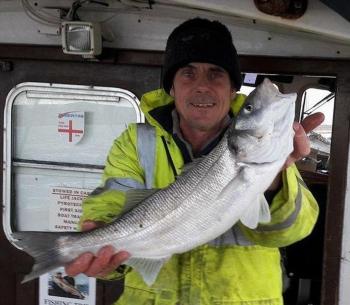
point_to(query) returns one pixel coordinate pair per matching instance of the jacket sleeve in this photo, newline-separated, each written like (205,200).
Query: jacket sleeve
(294,212)
(122,172)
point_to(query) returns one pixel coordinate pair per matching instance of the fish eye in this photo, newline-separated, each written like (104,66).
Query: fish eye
(248,108)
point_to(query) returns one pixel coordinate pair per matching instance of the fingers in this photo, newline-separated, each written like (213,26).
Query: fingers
(101,261)
(114,262)
(312,121)
(105,261)
(301,145)
(80,264)
(301,141)
(88,225)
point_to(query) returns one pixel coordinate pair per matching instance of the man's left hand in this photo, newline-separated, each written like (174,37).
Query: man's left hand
(301,141)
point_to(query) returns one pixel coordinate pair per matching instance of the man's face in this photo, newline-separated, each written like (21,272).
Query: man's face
(202,94)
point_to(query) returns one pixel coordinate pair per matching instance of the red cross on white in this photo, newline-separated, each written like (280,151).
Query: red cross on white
(70,130)
(71,124)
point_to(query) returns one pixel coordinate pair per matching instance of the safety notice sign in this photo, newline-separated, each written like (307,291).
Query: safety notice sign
(66,207)
(56,287)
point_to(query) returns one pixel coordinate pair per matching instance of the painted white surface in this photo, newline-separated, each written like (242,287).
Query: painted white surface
(34,200)
(319,33)
(31,133)
(36,127)
(333,25)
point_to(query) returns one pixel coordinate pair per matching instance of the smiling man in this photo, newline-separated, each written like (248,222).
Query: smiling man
(202,94)
(186,120)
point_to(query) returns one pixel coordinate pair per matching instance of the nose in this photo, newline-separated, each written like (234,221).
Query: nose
(203,83)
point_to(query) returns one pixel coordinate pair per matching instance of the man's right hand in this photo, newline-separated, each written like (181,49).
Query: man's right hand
(105,261)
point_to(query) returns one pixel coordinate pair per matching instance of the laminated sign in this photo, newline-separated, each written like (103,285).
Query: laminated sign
(66,207)
(71,126)
(57,287)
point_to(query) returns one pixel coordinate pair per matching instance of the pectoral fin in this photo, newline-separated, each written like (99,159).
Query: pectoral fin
(258,211)
(264,212)
(148,268)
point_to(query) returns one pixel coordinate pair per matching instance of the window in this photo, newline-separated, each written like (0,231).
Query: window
(321,100)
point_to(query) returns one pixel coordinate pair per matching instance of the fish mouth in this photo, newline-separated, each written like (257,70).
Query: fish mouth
(254,134)
(246,132)
(237,140)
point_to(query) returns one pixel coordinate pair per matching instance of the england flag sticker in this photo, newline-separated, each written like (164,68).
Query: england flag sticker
(71,126)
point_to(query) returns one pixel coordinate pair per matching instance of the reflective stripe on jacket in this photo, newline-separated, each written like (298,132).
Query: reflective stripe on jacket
(240,267)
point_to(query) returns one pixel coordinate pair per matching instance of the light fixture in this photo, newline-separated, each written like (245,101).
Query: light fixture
(81,38)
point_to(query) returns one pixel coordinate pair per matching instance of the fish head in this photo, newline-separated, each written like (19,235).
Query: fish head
(263,125)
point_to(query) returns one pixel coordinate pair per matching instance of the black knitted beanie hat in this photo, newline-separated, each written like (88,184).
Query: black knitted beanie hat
(200,40)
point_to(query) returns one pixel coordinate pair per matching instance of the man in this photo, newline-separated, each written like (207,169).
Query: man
(201,77)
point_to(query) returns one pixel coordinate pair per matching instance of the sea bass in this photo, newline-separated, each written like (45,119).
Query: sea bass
(67,287)
(204,202)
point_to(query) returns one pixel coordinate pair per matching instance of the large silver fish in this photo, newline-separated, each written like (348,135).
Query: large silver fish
(204,202)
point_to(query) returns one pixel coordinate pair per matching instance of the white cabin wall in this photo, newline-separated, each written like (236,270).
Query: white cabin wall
(319,33)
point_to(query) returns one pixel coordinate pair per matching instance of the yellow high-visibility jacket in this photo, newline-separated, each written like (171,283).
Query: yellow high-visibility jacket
(242,266)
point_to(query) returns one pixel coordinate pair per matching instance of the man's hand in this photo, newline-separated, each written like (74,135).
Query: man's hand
(301,141)
(100,265)
(301,144)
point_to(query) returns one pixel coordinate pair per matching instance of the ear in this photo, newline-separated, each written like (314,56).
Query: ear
(172,91)
(233,93)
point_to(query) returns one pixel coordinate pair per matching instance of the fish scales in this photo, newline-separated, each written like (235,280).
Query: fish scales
(168,199)
(205,193)
(204,202)
(191,227)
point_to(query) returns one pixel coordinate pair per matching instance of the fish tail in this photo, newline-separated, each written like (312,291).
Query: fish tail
(44,248)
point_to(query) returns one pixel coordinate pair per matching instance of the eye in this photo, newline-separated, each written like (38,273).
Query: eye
(187,72)
(216,74)
(248,108)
